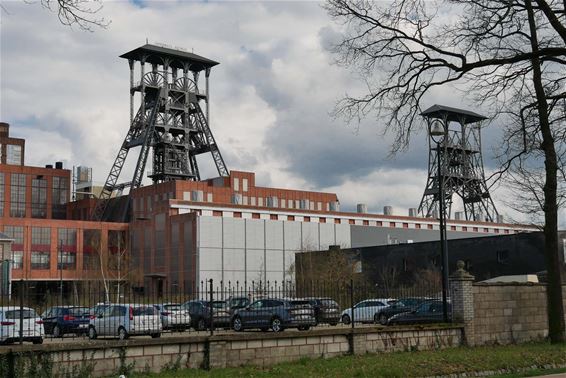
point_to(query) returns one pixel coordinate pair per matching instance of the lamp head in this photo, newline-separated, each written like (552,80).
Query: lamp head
(437,131)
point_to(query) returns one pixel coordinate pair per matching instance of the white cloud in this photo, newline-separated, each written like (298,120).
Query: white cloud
(66,91)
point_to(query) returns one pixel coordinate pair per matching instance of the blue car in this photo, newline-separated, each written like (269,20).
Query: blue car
(58,321)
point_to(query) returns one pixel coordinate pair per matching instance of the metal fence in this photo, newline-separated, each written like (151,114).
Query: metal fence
(98,310)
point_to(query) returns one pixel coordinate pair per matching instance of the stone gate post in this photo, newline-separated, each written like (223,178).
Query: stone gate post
(462,299)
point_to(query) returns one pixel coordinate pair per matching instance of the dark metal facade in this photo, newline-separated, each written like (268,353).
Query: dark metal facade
(170,121)
(461,166)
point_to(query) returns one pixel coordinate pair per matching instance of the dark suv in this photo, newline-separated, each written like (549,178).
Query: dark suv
(326,310)
(275,314)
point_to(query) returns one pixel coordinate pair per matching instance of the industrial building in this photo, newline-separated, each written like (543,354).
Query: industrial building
(47,246)
(182,229)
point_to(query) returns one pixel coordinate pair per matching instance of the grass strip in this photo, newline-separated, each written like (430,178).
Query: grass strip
(401,364)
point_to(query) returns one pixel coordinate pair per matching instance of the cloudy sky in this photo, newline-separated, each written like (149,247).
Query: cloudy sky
(66,92)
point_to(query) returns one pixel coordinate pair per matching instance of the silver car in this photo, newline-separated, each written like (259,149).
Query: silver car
(124,320)
(173,316)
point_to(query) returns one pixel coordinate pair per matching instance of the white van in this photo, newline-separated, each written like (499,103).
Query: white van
(124,320)
(10,325)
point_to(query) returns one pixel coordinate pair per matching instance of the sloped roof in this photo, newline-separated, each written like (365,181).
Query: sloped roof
(153,54)
(452,114)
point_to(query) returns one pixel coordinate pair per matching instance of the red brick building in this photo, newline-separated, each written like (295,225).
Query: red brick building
(48,246)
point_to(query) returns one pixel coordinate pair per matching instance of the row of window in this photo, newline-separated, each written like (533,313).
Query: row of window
(40,249)
(18,200)
(365,222)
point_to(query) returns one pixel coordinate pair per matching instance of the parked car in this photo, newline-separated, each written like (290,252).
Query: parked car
(173,316)
(32,325)
(60,320)
(124,320)
(97,309)
(275,314)
(397,307)
(427,312)
(366,311)
(220,314)
(326,310)
(199,312)
(234,303)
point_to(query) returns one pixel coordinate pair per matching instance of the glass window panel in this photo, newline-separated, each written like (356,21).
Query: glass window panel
(13,154)
(39,198)
(18,195)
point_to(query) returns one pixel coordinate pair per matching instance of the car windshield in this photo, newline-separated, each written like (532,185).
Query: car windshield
(238,302)
(172,307)
(15,314)
(423,307)
(329,303)
(79,311)
(144,311)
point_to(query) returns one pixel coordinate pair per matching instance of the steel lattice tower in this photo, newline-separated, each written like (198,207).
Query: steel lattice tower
(170,120)
(461,166)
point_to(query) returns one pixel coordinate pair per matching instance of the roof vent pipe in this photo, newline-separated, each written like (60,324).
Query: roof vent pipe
(387,210)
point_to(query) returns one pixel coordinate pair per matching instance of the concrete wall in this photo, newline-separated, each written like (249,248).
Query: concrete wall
(261,349)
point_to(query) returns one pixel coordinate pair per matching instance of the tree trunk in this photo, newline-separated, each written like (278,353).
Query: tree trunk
(555,307)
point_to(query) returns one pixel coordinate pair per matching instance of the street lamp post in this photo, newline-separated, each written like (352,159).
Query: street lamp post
(437,133)
(60,263)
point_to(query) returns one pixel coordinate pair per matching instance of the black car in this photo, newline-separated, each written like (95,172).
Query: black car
(275,314)
(58,321)
(200,314)
(397,307)
(427,312)
(326,310)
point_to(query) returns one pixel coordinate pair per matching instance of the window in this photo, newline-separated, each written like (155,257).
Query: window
(283,203)
(13,154)
(1,194)
(236,184)
(39,198)
(40,246)
(91,249)
(245,185)
(18,195)
(16,233)
(60,191)
(260,201)
(67,248)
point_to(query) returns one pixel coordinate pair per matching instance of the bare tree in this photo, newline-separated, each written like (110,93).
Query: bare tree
(508,55)
(81,13)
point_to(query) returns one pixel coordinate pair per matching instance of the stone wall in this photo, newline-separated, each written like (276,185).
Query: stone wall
(509,312)
(230,350)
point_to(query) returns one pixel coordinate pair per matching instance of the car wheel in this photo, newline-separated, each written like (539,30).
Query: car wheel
(201,325)
(155,335)
(237,324)
(304,328)
(122,334)
(38,340)
(276,325)
(57,332)
(264,329)
(382,319)
(346,319)
(92,333)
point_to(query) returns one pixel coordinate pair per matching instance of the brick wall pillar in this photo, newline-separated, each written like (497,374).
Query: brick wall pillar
(462,299)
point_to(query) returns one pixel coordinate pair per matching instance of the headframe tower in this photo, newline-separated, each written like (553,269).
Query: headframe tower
(170,120)
(461,170)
